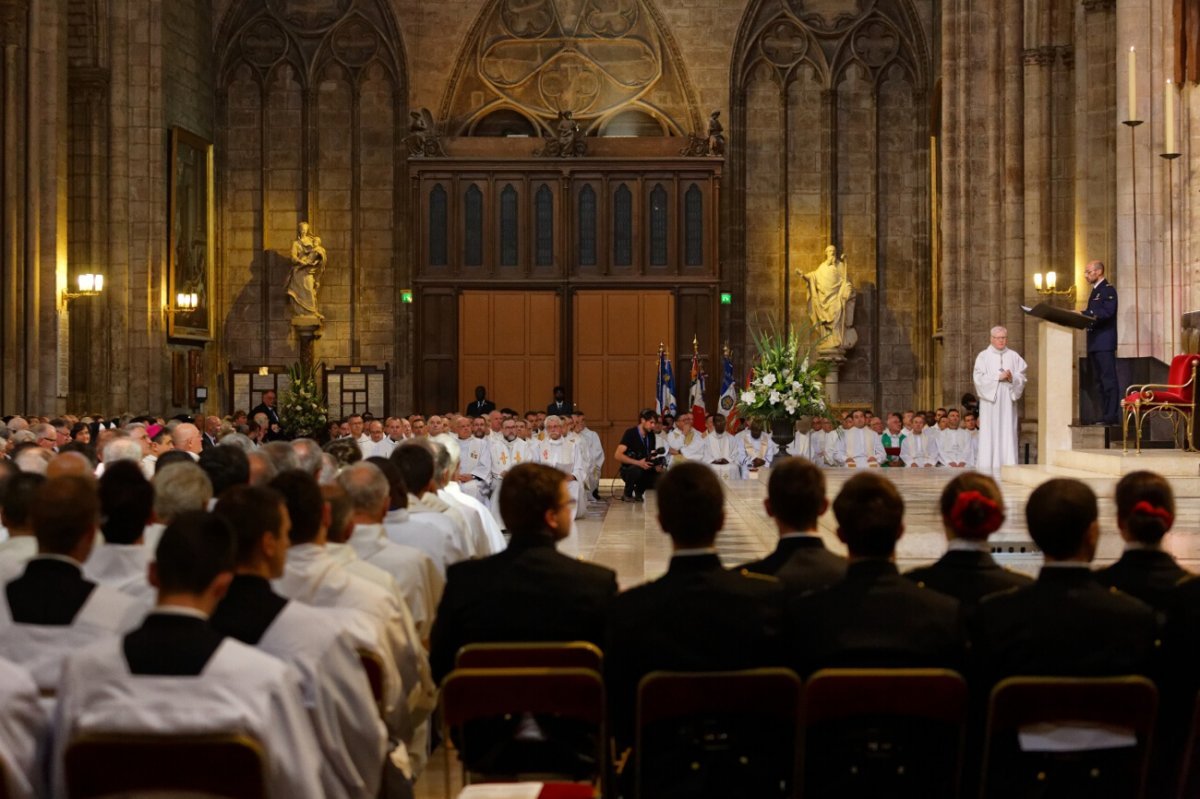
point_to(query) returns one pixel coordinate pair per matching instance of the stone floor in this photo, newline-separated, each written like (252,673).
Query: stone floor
(626,537)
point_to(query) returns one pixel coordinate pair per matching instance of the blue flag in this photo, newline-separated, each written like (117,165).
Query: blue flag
(665,401)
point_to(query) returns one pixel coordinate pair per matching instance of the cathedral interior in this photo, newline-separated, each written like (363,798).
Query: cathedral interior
(527,193)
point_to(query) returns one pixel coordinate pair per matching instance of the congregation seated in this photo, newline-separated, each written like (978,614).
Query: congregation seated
(314,641)
(527,593)
(1066,622)
(873,617)
(420,525)
(972,508)
(52,609)
(127,506)
(795,500)
(1145,513)
(176,674)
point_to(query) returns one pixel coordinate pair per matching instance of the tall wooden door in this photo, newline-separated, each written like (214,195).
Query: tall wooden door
(616,336)
(509,341)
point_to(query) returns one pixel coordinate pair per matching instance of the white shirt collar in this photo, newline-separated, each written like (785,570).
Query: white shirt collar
(693,552)
(179,610)
(798,535)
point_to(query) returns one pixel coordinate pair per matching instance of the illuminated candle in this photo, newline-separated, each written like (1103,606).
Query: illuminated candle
(1132,84)
(1170,113)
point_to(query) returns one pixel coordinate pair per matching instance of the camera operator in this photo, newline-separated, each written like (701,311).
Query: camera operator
(640,462)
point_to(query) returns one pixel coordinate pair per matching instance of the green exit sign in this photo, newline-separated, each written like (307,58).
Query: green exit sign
(406,296)
(726,298)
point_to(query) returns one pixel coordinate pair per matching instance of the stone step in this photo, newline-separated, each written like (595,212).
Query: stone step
(1031,476)
(1167,462)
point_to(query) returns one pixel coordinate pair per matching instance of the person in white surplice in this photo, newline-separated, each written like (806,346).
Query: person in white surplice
(999,382)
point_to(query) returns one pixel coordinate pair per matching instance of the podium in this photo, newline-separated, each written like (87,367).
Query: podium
(1056,351)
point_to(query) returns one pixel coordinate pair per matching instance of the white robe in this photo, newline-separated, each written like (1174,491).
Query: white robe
(413,531)
(919,450)
(954,446)
(14,554)
(595,457)
(751,448)
(43,648)
(565,456)
(434,501)
(413,570)
(724,447)
(998,407)
(475,459)
(420,511)
(693,450)
(125,568)
(800,446)
(492,540)
(376,449)
(863,446)
(816,447)
(504,456)
(336,694)
(24,729)
(240,690)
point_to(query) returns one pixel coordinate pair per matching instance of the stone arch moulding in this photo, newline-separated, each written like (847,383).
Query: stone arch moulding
(594,58)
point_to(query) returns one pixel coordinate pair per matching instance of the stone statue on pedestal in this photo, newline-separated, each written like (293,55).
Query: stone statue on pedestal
(831,298)
(304,278)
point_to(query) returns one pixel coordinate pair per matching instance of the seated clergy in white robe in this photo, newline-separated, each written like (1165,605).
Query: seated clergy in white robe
(722,451)
(507,452)
(474,459)
(24,725)
(51,610)
(314,576)
(685,443)
(954,444)
(314,641)
(861,446)
(920,448)
(14,512)
(758,449)
(127,506)
(175,674)
(376,444)
(554,450)
(414,571)
(593,449)
(467,509)
(428,531)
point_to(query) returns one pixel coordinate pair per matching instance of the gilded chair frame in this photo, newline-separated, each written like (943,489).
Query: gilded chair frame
(1146,404)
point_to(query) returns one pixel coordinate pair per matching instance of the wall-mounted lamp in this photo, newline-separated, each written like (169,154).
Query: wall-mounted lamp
(1048,284)
(90,284)
(185,302)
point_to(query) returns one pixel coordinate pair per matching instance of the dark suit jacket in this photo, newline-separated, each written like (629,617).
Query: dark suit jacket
(874,618)
(1102,306)
(967,576)
(1150,575)
(1065,623)
(272,418)
(554,410)
(696,617)
(248,608)
(206,442)
(171,645)
(477,408)
(49,591)
(528,592)
(801,564)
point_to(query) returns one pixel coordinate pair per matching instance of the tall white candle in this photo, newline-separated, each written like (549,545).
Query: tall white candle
(1170,114)
(1132,84)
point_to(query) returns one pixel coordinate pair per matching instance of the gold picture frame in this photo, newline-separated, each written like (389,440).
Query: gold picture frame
(190,251)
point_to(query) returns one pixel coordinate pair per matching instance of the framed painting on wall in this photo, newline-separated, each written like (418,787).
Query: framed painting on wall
(190,251)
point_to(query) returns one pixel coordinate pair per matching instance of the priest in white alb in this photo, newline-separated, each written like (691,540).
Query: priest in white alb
(999,383)
(722,450)
(555,450)
(685,443)
(506,453)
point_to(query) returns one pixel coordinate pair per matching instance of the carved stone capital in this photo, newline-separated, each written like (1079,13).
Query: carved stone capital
(1047,55)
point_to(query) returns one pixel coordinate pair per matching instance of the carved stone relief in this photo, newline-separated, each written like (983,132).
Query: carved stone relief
(593,58)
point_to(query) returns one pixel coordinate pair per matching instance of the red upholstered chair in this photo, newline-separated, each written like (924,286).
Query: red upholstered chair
(1175,398)
(535,655)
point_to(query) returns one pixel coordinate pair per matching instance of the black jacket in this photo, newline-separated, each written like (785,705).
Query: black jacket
(968,576)
(49,592)
(801,564)
(1151,575)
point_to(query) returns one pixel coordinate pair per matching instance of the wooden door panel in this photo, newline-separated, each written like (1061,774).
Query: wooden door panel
(513,349)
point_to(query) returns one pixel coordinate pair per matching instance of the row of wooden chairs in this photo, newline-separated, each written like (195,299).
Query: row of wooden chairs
(843,732)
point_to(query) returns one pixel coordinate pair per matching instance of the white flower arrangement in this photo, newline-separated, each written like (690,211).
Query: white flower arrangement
(786,383)
(302,410)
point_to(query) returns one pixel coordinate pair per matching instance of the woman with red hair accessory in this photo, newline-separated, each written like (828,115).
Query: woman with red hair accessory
(1145,514)
(972,509)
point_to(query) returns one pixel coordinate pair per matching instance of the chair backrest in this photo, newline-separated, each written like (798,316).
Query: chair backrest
(1128,703)
(549,655)
(708,734)
(883,732)
(226,765)
(372,664)
(1180,373)
(1189,768)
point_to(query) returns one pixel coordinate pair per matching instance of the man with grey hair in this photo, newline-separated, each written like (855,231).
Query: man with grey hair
(308,455)
(178,488)
(33,460)
(414,571)
(999,382)
(262,468)
(45,436)
(122,448)
(282,456)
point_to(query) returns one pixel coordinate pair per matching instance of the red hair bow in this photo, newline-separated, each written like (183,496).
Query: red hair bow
(990,521)
(1146,508)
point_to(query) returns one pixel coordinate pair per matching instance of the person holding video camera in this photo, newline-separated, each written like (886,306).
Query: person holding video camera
(641,462)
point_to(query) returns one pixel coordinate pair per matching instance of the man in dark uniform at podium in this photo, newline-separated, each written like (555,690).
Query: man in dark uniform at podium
(1102,341)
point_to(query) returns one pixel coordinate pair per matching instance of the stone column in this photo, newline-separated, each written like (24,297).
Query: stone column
(14,15)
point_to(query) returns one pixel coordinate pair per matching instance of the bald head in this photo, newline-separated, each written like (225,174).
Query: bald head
(74,464)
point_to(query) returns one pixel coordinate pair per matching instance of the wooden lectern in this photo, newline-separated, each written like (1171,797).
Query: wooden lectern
(1056,351)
